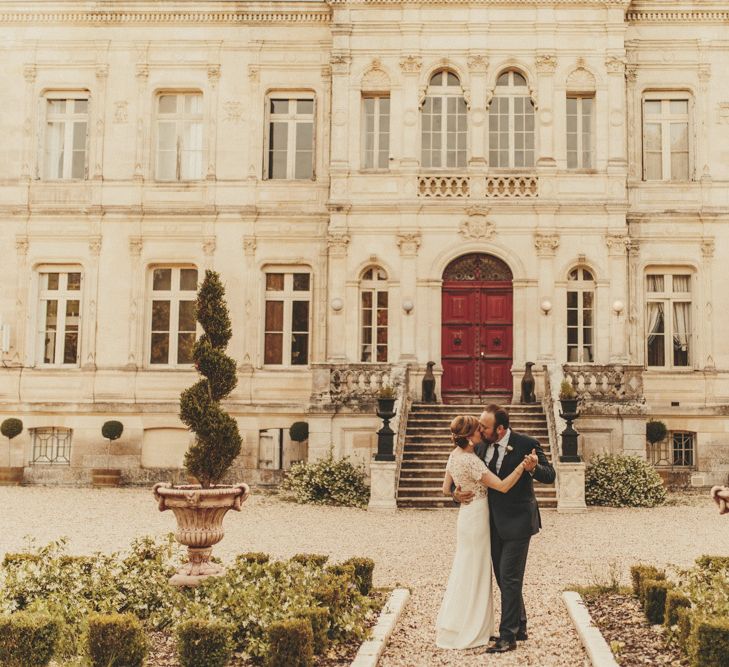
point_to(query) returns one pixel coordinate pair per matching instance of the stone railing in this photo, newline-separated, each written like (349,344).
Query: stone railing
(611,383)
(512,186)
(400,427)
(549,405)
(443,187)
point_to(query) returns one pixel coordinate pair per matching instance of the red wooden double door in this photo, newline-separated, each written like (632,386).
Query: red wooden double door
(477,325)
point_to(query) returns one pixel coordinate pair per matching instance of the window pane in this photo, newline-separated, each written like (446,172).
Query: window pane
(159,353)
(193,104)
(300,316)
(652,107)
(273,348)
(655,283)
(299,349)
(74,281)
(274,282)
(571,317)
(382,299)
(52,283)
(160,315)
(162,279)
(587,299)
(188,279)
(679,106)
(301,282)
(305,106)
(503,79)
(274,316)
(571,299)
(303,168)
(70,348)
(56,106)
(679,167)
(185,342)
(279,106)
(681,283)
(167,103)
(186,317)
(652,136)
(519,80)
(367,299)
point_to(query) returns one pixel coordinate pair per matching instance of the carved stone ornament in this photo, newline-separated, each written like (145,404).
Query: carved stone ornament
(209,245)
(233,111)
(21,245)
(477,226)
(411,64)
(29,73)
(375,78)
(95,245)
(631,73)
(615,65)
(617,243)
(704,73)
(546,63)
(214,73)
(142,71)
(723,110)
(478,63)
(477,266)
(339,62)
(249,245)
(135,245)
(121,111)
(408,242)
(102,71)
(337,243)
(254,72)
(546,244)
(580,80)
(707,248)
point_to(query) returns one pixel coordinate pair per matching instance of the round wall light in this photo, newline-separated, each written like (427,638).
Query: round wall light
(618,306)
(407,305)
(337,304)
(546,306)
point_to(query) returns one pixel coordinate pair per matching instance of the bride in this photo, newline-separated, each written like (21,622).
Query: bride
(466,617)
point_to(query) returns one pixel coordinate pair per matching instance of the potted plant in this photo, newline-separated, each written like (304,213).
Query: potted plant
(568,397)
(655,431)
(200,508)
(298,432)
(11,475)
(101,477)
(386,398)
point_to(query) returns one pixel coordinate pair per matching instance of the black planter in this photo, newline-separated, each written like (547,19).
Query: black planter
(569,435)
(569,405)
(385,436)
(386,405)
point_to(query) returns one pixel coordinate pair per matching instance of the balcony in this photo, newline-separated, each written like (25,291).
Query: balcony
(609,383)
(462,186)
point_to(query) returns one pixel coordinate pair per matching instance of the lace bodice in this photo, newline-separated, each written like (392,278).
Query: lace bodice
(467,469)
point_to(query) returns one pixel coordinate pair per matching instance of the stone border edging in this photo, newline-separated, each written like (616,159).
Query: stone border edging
(593,641)
(371,650)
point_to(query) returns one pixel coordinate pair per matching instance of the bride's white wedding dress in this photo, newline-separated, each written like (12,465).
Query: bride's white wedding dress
(466,617)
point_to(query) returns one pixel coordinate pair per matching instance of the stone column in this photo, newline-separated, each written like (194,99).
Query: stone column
(477,66)
(29,74)
(635,280)
(337,242)
(383,486)
(24,345)
(617,267)
(99,111)
(546,244)
(212,124)
(546,64)
(250,340)
(410,66)
(143,111)
(136,303)
(702,113)
(570,487)
(91,287)
(707,254)
(409,242)
(340,111)
(617,159)
(632,106)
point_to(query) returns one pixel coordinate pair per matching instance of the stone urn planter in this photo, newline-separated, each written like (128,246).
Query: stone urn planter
(199,513)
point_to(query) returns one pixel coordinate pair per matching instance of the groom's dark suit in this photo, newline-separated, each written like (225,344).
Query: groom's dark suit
(514,519)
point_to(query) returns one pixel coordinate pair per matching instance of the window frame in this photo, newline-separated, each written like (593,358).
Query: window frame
(579,131)
(173,332)
(667,299)
(374,286)
(581,286)
(511,92)
(179,118)
(55,431)
(445,92)
(63,297)
(43,153)
(291,136)
(377,132)
(665,121)
(288,296)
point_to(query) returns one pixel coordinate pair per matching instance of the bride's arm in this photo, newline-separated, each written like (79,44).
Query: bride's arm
(447,484)
(502,485)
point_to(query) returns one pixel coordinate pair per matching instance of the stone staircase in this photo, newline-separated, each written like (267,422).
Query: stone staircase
(428,444)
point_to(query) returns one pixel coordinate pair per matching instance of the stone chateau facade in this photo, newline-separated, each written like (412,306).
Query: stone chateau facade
(380,184)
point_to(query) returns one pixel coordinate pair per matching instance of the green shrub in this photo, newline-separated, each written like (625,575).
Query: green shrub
(363,570)
(310,560)
(319,619)
(623,481)
(654,596)
(217,439)
(11,428)
(711,639)
(204,643)
(13,560)
(640,573)
(291,644)
(28,639)
(684,618)
(655,431)
(253,557)
(299,431)
(328,482)
(675,600)
(112,430)
(116,640)
(342,570)
(713,563)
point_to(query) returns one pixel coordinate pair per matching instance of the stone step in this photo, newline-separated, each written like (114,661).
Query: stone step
(435,483)
(428,418)
(434,502)
(455,407)
(445,432)
(412,438)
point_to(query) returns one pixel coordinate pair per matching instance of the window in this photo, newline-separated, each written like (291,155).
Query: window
(511,123)
(172,321)
(66,136)
(666,139)
(286,335)
(376,151)
(677,450)
(59,317)
(444,122)
(290,150)
(51,446)
(580,312)
(579,132)
(179,136)
(374,303)
(668,319)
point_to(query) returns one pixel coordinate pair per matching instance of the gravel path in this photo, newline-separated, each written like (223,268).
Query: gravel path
(411,548)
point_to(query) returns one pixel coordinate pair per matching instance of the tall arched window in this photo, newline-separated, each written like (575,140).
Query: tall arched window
(580,314)
(444,122)
(374,318)
(511,123)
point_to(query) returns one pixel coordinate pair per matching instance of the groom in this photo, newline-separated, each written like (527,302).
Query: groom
(514,516)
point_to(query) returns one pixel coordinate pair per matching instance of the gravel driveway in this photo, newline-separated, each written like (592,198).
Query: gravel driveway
(411,548)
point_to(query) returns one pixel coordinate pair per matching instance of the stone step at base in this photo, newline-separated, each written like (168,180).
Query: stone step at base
(410,502)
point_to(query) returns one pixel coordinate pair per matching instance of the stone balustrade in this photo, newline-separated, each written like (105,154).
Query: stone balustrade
(609,383)
(358,382)
(443,187)
(461,186)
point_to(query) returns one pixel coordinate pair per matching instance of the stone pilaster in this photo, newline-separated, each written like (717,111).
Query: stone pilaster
(617,159)
(546,244)
(337,243)
(617,243)
(212,124)
(136,303)
(98,109)
(22,351)
(250,342)
(143,111)
(546,65)
(409,243)
(29,74)
(478,67)
(707,254)
(410,66)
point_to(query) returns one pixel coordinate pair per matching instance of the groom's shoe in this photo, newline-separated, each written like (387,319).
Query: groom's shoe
(501,646)
(522,636)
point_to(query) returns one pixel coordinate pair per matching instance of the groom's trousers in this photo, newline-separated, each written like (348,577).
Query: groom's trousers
(509,561)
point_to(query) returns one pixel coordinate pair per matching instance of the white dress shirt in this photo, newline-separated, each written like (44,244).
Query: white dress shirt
(501,444)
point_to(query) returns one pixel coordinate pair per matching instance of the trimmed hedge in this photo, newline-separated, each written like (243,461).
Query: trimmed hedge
(116,640)
(711,642)
(319,619)
(654,599)
(623,481)
(28,639)
(252,557)
(291,644)
(363,569)
(684,618)
(713,563)
(205,643)
(313,560)
(640,573)
(675,600)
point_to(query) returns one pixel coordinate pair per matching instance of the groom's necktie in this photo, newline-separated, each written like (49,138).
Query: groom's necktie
(494,459)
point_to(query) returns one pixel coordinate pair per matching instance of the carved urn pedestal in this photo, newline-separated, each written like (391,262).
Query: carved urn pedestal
(199,513)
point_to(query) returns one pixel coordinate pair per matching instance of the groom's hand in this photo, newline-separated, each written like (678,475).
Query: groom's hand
(530,461)
(463,497)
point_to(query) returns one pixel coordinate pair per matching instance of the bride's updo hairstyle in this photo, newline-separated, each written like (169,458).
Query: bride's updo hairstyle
(462,427)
